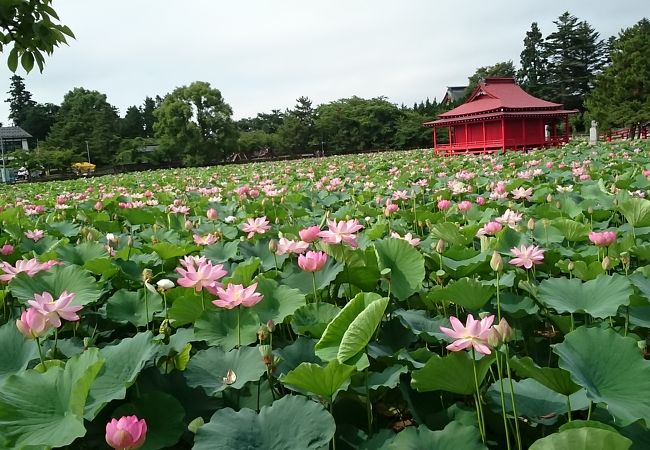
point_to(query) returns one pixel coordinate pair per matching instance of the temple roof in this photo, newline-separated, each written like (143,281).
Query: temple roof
(14,133)
(499,94)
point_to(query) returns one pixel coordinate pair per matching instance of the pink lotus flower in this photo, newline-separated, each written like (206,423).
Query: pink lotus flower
(208,239)
(235,295)
(309,234)
(199,273)
(30,266)
(312,261)
(7,249)
(602,239)
(342,231)
(98,206)
(390,208)
(521,193)
(55,310)
(489,229)
(408,237)
(474,333)
(32,323)
(288,246)
(35,235)
(211,214)
(444,204)
(510,218)
(527,256)
(127,433)
(258,225)
(480,201)
(465,206)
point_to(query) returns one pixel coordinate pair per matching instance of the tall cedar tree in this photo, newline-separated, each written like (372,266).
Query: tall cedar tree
(575,55)
(20,100)
(532,75)
(621,95)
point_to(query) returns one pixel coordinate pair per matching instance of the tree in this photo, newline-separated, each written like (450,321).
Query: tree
(532,75)
(621,94)
(30,26)
(132,125)
(86,122)
(500,69)
(148,118)
(39,119)
(194,124)
(575,56)
(297,131)
(409,131)
(355,123)
(20,100)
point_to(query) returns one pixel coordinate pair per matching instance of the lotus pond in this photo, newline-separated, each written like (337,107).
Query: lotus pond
(386,301)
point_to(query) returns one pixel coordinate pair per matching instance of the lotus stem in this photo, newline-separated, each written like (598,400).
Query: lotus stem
(40,351)
(146,308)
(368,406)
(503,401)
(479,407)
(512,397)
(313,282)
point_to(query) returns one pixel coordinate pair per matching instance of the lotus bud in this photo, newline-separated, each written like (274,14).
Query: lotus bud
(590,210)
(549,198)
(129,241)
(99,206)
(165,284)
(504,330)
(531,224)
(212,214)
(558,205)
(440,246)
(273,246)
(270,325)
(607,263)
(496,262)
(494,339)
(571,266)
(189,225)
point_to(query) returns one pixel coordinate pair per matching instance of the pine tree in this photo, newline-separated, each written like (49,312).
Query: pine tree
(20,100)
(575,56)
(148,118)
(532,75)
(621,95)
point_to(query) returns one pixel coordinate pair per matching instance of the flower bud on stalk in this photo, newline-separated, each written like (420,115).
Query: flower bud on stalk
(440,246)
(273,246)
(531,224)
(496,262)
(607,263)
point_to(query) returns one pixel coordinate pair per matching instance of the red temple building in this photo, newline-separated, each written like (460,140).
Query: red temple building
(499,115)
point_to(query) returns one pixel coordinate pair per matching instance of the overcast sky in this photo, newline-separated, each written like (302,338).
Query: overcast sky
(263,54)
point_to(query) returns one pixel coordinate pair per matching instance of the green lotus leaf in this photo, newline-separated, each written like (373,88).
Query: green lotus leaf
(129,307)
(227,328)
(55,281)
(46,409)
(468,293)
(209,369)
(291,356)
(312,319)
(636,211)
(293,422)
(296,278)
(244,272)
(611,369)
(187,306)
(535,401)
(572,230)
(16,351)
(279,301)
(599,298)
(452,373)
(586,438)
(556,379)
(122,365)
(325,382)
(406,266)
(453,437)
(351,330)
(164,416)
(221,251)
(82,253)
